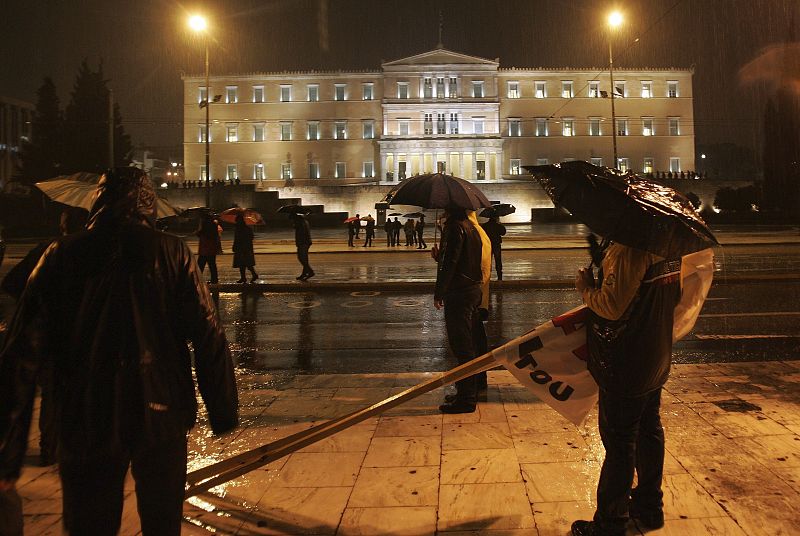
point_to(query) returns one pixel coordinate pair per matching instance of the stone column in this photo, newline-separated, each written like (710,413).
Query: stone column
(461,165)
(498,167)
(395,175)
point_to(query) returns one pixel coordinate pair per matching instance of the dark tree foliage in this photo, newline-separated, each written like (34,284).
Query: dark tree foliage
(43,154)
(727,161)
(782,152)
(86,125)
(737,199)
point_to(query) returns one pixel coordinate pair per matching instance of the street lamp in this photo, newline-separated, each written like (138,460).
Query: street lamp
(614,21)
(199,24)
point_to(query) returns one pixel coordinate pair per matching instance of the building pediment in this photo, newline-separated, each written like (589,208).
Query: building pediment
(441,56)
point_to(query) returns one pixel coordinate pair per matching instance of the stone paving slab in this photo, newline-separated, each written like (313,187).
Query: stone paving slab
(512,468)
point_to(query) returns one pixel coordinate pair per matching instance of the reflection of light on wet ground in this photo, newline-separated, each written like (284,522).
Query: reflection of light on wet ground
(365,293)
(356,304)
(304,304)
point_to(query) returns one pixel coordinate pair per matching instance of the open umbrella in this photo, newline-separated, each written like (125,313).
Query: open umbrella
(394,214)
(500,210)
(251,217)
(293,209)
(350,219)
(437,190)
(414,215)
(626,208)
(78,189)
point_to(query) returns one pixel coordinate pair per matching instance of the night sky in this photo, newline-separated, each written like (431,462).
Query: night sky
(145,46)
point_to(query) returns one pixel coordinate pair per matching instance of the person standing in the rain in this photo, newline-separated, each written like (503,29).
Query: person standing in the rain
(209,246)
(408,228)
(389,228)
(351,232)
(396,226)
(357,225)
(459,280)
(243,256)
(495,231)
(302,240)
(369,231)
(420,233)
(113,308)
(629,337)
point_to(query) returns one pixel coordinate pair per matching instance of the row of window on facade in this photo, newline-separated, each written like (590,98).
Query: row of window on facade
(623,164)
(441,90)
(444,123)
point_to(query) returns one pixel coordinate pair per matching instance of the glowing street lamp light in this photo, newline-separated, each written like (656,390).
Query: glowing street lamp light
(615,19)
(199,24)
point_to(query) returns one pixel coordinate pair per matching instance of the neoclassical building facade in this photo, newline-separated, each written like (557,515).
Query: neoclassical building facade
(439,110)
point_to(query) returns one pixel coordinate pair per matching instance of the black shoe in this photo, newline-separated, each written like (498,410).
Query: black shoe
(309,276)
(457,406)
(301,277)
(254,278)
(242,281)
(653,519)
(590,528)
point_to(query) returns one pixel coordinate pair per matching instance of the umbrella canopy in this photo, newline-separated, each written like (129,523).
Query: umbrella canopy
(293,209)
(625,208)
(251,217)
(78,189)
(414,215)
(437,190)
(351,219)
(500,210)
(394,214)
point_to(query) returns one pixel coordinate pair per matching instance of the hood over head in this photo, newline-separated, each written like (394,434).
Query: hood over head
(124,195)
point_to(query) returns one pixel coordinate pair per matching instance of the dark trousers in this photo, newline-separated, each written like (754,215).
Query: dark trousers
(421,241)
(48,421)
(302,256)
(634,441)
(93,489)
(350,239)
(212,266)
(460,317)
(497,253)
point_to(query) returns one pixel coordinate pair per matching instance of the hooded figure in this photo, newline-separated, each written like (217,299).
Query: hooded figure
(112,309)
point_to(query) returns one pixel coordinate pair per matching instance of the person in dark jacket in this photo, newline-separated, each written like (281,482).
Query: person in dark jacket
(420,232)
(113,309)
(357,225)
(629,337)
(369,232)
(351,232)
(495,231)
(243,256)
(209,246)
(388,227)
(396,226)
(459,280)
(302,239)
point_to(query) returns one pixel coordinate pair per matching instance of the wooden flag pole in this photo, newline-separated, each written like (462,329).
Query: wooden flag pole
(218,473)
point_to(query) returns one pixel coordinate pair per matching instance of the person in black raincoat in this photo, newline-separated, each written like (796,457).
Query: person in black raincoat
(243,256)
(302,240)
(113,308)
(629,337)
(495,231)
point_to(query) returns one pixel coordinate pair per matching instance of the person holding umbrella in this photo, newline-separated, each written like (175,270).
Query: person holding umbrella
(243,256)
(302,240)
(420,230)
(209,246)
(370,231)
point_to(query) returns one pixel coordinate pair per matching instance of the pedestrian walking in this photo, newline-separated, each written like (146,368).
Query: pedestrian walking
(420,233)
(495,231)
(302,240)
(396,226)
(357,225)
(458,289)
(113,309)
(630,348)
(388,227)
(209,246)
(351,232)
(243,256)
(369,231)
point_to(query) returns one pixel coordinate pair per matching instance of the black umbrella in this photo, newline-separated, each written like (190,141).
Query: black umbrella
(500,210)
(437,190)
(626,208)
(294,209)
(394,214)
(414,215)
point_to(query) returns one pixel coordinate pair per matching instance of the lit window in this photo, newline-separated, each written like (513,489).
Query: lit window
(233,172)
(368,130)
(542,161)
(672,89)
(566,89)
(428,124)
(477,89)
(453,123)
(647,89)
(232,132)
(312,129)
(258,172)
(338,93)
(402,90)
(594,126)
(674,126)
(368,169)
(620,88)
(202,94)
(201,133)
(648,164)
(286,171)
(540,89)
(313,170)
(203,173)
(440,87)
(514,127)
(440,123)
(286,131)
(513,90)
(340,130)
(647,127)
(477,125)
(623,164)
(286,93)
(453,89)
(427,88)
(341,170)
(675,164)
(622,127)
(258,93)
(313,93)
(367,91)
(594,89)
(403,127)
(541,126)
(596,161)
(258,132)
(567,127)
(231,94)
(515,166)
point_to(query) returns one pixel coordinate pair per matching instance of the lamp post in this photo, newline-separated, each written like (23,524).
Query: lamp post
(198,24)
(614,20)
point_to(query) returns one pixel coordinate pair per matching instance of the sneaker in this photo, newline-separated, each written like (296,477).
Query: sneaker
(651,520)
(457,406)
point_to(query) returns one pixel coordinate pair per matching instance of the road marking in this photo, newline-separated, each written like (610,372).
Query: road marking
(365,293)
(408,303)
(304,304)
(772,313)
(743,337)
(356,304)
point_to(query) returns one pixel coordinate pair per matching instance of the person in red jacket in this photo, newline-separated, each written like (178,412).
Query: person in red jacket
(209,246)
